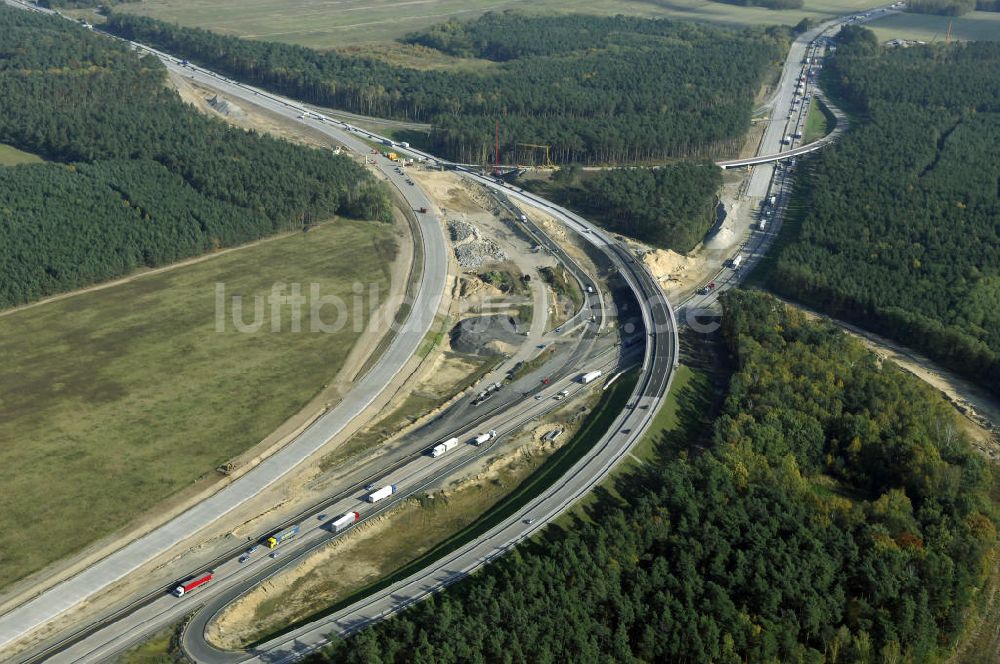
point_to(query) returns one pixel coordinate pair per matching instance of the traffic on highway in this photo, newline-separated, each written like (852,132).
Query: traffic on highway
(465,433)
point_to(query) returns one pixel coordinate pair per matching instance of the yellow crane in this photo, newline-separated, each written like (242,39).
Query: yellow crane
(533,146)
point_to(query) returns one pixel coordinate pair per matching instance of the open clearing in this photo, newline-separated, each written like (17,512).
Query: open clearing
(10,156)
(974,26)
(112,400)
(325,24)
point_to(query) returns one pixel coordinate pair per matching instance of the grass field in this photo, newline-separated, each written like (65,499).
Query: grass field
(819,122)
(324,24)
(112,400)
(12,156)
(974,26)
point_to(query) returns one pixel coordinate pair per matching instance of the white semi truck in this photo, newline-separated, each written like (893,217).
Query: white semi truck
(342,523)
(485,437)
(590,376)
(441,448)
(379,494)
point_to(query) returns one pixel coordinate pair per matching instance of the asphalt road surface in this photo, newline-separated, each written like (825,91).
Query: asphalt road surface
(659,359)
(50,604)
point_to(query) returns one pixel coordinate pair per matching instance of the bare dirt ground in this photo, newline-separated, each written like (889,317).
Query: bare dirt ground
(376,549)
(356,560)
(245,115)
(680,275)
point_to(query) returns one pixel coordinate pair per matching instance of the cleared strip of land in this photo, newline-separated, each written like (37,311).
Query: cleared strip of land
(112,400)
(11,156)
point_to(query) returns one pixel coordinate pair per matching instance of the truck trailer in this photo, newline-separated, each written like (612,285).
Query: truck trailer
(737,261)
(485,437)
(379,494)
(191,584)
(441,448)
(282,535)
(343,522)
(590,376)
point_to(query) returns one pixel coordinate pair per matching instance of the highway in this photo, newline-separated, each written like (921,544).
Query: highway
(53,602)
(414,473)
(658,362)
(656,373)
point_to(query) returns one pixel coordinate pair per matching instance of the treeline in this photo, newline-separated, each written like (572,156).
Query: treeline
(672,206)
(80,4)
(595,89)
(951,7)
(837,515)
(898,226)
(145,179)
(769,4)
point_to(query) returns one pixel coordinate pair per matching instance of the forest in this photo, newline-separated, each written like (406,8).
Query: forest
(833,513)
(672,206)
(595,89)
(136,178)
(897,226)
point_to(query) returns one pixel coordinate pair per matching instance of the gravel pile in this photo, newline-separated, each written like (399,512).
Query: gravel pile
(461,230)
(471,249)
(479,252)
(478,335)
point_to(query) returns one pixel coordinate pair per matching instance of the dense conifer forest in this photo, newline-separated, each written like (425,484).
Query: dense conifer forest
(672,206)
(836,514)
(595,89)
(897,226)
(137,177)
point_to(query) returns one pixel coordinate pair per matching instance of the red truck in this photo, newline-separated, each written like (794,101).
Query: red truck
(191,584)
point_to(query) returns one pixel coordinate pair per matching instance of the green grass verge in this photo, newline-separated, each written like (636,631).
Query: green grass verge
(115,399)
(819,122)
(689,390)
(526,367)
(594,426)
(11,156)
(563,284)
(161,648)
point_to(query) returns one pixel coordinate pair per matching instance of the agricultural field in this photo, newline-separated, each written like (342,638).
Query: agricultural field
(324,25)
(11,156)
(974,26)
(114,399)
